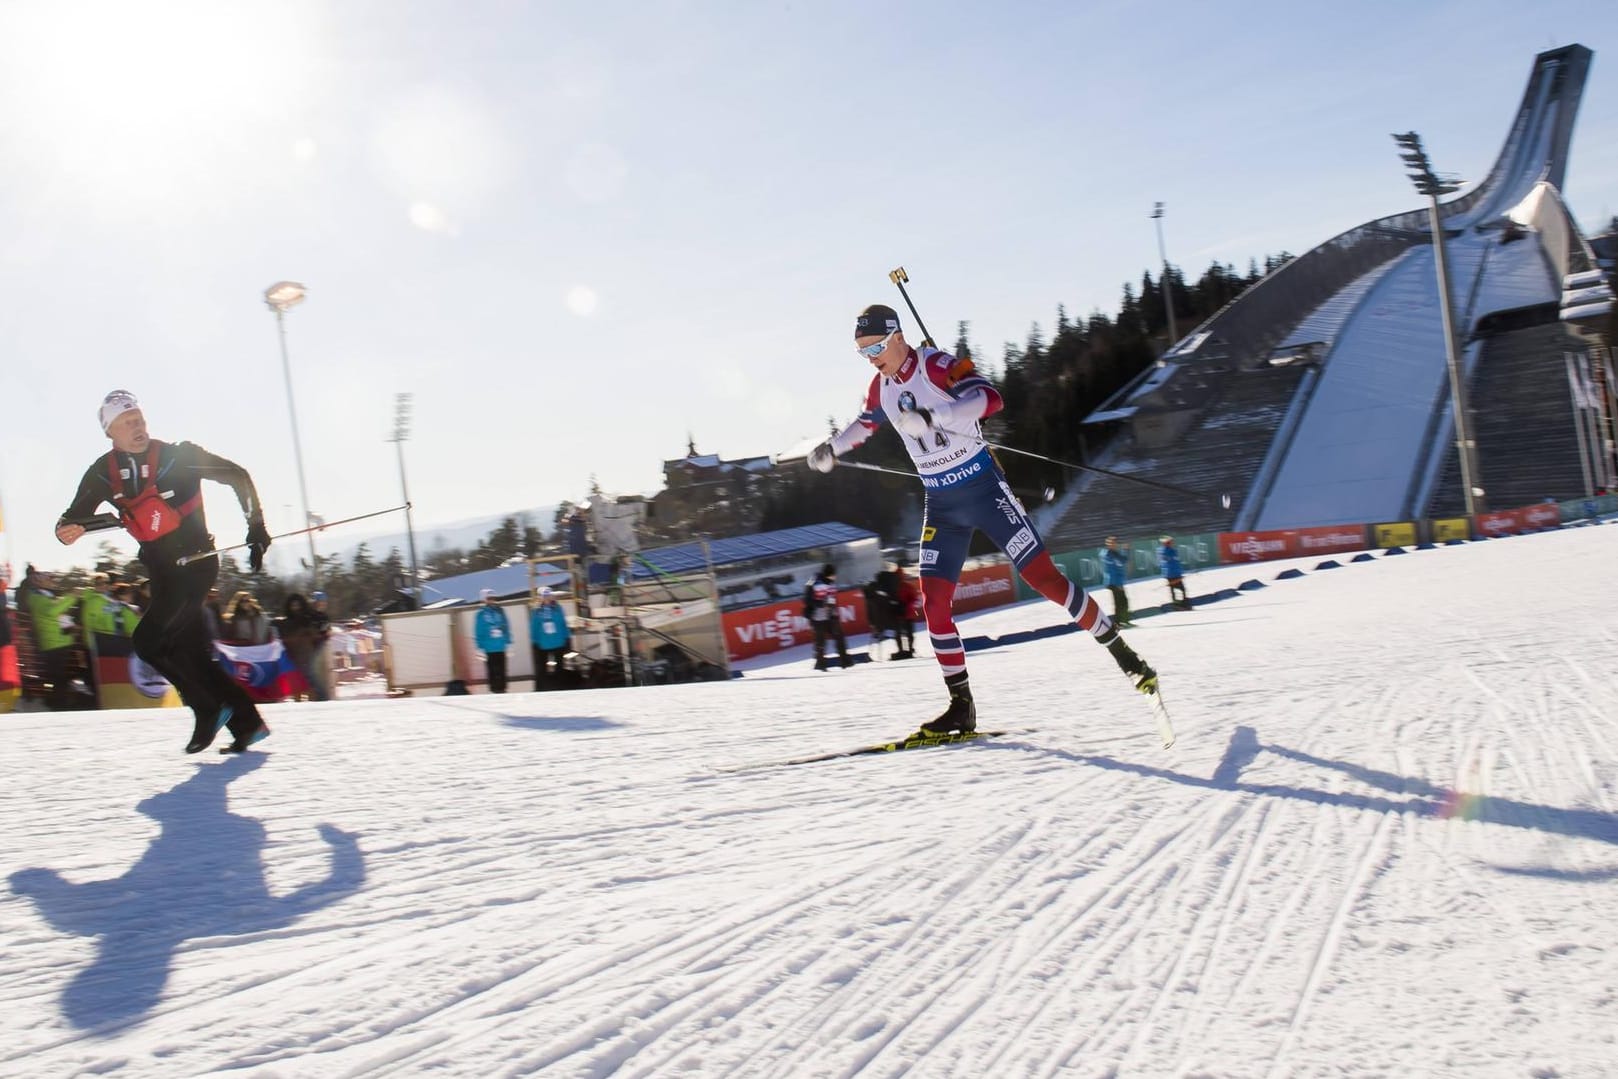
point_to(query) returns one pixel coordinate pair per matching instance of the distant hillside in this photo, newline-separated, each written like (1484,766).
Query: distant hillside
(464,534)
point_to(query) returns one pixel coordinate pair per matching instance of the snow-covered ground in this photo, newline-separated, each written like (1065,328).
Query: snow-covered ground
(1386,844)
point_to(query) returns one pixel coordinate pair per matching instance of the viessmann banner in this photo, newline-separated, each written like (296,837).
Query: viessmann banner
(773,627)
(1290,543)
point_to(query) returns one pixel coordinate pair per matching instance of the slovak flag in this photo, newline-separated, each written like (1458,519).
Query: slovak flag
(264,670)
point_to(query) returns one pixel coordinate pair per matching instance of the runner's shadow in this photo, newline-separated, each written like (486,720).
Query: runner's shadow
(564,723)
(202,876)
(1414,796)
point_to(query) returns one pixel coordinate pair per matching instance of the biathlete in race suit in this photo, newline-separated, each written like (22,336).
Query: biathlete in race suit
(156,488)
(935,402)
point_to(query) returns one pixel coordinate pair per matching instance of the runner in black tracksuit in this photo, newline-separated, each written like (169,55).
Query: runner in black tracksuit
(156,487)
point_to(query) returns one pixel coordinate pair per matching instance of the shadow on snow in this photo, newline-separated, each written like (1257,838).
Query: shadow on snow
(202,876)
(1407,794)
(565,723)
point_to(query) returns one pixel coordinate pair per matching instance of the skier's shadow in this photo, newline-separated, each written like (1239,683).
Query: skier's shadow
(1405,794)
(202,876)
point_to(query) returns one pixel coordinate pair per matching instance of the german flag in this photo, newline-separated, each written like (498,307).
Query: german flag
(123,680)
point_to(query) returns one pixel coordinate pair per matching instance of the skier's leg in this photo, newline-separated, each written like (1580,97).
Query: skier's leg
(1043,575)
(945,535)
(938,601)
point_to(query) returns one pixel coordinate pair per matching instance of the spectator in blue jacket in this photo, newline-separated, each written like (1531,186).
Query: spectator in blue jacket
(493,634)
(1168,560)
(549,638)
(1114,572)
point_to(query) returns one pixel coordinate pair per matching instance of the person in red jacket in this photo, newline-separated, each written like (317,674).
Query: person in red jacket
(156,489)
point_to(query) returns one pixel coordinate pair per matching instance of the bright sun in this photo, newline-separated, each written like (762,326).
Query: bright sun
(127,103)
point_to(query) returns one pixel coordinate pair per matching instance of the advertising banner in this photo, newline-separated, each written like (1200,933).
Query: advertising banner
(1446,529)
(985,587)
(1577,509)
(774,627)
(1290,543)
(1396,534)
(1083,567)
(1533,518)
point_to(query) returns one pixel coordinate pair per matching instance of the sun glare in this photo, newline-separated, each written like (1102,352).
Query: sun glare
(127,102)
(582,300)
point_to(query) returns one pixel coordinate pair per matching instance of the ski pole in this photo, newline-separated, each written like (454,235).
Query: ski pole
(1224,500)
(875,468)
(98,523)
(186,560)
(899,277)
(1047,495)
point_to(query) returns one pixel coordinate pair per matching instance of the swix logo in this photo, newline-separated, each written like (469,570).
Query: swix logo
(1008,509)
(157,519)
(1019,543)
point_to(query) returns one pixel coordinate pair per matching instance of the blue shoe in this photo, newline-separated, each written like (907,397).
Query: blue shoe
(240,745)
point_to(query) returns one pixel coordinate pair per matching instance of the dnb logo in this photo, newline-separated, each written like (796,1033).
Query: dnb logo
(146,680)
(1019,543)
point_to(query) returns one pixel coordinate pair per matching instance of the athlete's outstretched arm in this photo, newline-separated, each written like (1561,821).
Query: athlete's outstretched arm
(213,467)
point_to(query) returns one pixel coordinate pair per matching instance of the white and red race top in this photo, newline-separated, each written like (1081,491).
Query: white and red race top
(927,379)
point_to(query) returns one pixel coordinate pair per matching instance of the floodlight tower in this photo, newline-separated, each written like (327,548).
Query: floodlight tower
(1168,288)
(401,433)
(282,297)
(1433,185)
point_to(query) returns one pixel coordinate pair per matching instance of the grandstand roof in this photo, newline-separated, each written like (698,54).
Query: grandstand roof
(504,581)
(689,557)
(510,581)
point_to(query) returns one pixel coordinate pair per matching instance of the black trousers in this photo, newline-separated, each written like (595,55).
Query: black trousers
(829,629)
(173,637)
(544,676)
(904,630)
(1120,603)
(497,671)
(58,668)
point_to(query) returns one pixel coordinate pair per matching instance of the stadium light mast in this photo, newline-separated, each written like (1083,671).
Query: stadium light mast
(1168,288)
(401,434)
(282,297)
(1433,185)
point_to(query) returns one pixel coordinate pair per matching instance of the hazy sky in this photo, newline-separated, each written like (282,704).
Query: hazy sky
(578,232)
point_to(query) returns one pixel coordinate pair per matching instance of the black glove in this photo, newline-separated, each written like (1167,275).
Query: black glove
(258,541)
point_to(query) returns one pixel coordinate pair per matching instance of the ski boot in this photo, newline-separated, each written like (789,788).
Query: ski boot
(961,717)
(207,728)
(1139,671)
